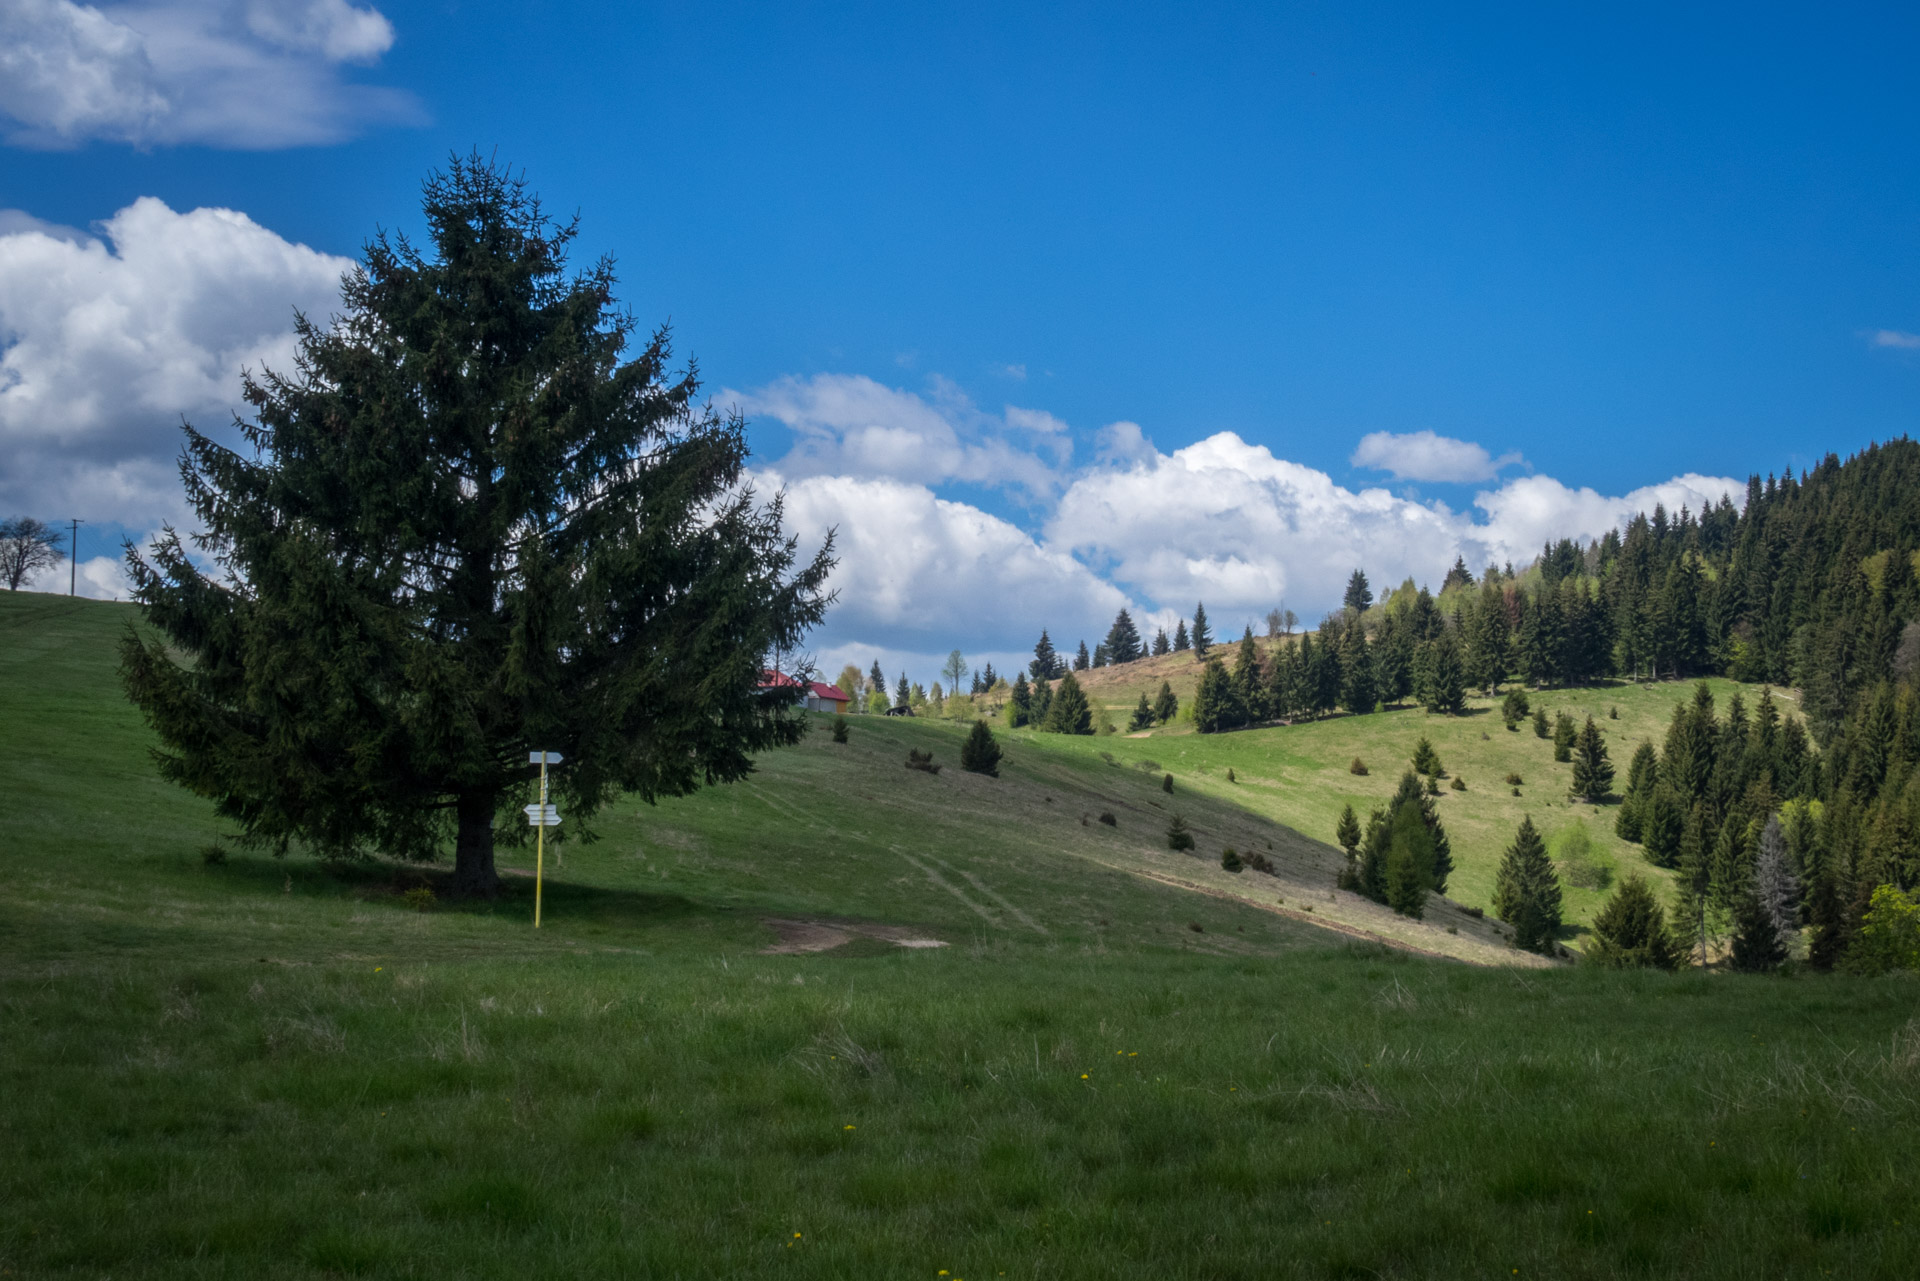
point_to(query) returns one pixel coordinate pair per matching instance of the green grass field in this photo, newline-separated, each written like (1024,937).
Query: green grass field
(275,1069)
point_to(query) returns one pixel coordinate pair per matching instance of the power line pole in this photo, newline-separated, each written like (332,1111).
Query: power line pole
(73,552)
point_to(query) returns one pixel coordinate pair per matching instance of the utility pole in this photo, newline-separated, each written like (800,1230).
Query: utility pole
(73,552)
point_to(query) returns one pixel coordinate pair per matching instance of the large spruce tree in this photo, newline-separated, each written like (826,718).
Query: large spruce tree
(472,522)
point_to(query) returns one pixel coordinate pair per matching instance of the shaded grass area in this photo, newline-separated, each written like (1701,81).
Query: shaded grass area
(275,1069)
(1344,1112)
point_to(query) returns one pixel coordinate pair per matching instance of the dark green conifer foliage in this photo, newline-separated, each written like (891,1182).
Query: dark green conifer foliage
(1425,759)
(1347,833)
(1082,660)
(1160,643)
(1663,826)
(1409,863)
(1564,732)
(466,530)
(1757,942)
(1692,905)
(1540,727)
(1180,641)
(1123,639)
(1231,861)
(1592,771)
(1359,596)
(1142,717)
(1178,837)
(1019,702)
(1166,704)
(1513,708)
(1046,662)
(1040,705)
(1526,891)
(1357,692)
(1630,932)
(1069,712)
(1442,685)
(1249,685)
(1215,705)
(1202,638)
(877,679)
(840,727)
(980,754)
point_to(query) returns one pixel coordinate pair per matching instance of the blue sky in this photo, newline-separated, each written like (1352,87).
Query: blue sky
(1598,248)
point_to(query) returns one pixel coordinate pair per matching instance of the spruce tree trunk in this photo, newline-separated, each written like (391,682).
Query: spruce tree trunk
(473,873)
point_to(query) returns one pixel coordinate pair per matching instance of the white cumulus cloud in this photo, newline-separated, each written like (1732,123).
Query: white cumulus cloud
(107,342)
(1426,455)
(1226,522)
(927,573)
(1899,340)
(850,425)
(231,73)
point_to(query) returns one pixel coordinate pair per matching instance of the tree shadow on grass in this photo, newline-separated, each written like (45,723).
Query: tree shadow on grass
(386,884)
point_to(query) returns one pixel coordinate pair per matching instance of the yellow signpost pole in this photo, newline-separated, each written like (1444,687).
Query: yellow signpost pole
(541,816)
(540,844)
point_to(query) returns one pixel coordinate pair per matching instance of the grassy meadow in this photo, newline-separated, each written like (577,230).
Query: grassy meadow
(1123,1062)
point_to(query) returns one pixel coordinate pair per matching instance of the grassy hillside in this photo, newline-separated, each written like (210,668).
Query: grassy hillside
(273,1069)
(1298,774)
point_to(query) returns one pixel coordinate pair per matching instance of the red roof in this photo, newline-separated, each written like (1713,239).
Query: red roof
(780,680)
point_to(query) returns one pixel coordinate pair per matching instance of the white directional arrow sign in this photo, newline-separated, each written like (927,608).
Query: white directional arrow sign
(542,816)
(544,758)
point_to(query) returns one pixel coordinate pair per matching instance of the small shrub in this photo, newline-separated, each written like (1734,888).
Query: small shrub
(1433,786)
(213,855)
(1166,784)
(1358,767)
(1514,780)
(980,754)
(1196,927)
(1230,861)
(1425,759)
(1453,929)
(419,898)
(1613,713)
(1477,913)
(1230,777)
(1540,727)
(1106,816)
(1260,862)
(1578,860)
(1459,784)
(917,759)
(839,729)
(1178,837)
(1516,791)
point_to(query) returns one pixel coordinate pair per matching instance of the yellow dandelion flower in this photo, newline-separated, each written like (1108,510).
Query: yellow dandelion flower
(848,1127)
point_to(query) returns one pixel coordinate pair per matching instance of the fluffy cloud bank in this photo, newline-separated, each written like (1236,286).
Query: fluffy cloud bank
(1423,455)
(107,340)
(106,343)
(232,73)
(1226,522)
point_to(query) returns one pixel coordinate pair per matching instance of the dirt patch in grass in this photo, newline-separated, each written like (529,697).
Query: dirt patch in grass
(797,935)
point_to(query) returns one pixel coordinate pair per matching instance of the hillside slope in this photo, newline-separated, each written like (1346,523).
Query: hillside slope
(822,830)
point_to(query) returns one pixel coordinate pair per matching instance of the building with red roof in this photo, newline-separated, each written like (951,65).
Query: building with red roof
(816,696)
